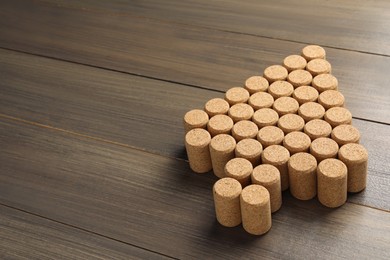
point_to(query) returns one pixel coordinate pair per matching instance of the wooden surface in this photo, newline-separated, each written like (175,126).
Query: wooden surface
(92,95)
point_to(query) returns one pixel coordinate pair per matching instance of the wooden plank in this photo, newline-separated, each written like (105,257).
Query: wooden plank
(25,236)
(190,55)
(157,203)
(358,25)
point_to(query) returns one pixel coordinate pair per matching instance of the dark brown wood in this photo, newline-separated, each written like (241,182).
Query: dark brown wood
(190,55)
(157,203)
(25,236)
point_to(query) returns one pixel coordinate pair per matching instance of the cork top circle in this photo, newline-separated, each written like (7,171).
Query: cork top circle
(236,95)
(270,135)
(286,105)
(324,82)
(303,162)
(245,129)
(353,152)
(311,52)
(276,154)
(275,72)
(238,168)
(241,111)
(261,100)
(331,98)
(265,116)
(216,106)
(311,110)
(318,128)
(198,137)
(255,195)
(318,66)
(305,94)
(227,188)
(296,141)
(338,115)
(266,174)
(196,118)
(344,134)
(281,88)
(256,84)
(294,62)
(223,143)
(291,122)
(324,146)
(332,168)
(220,123)
(249,148)
(300,78)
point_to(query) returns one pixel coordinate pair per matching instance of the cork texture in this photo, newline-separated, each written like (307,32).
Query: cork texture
(221,151)
(355,157)
(299,78)
(305,94)
(236,95)
(290,123)
(261,100)
(239,169)
(338,116)
(195,118)
(311,110)
(318,66)
(278,156)
(332,183)
(285,105)
(323,148)
(240,112)
(270,135)
(265,117)
(268,176)
(317,128)
(226,193)
(197,143)
(244,129)
(256,84)
(296,142)
(249,149)
(302,173)
(255,209)
(220,124)
(331,98)
(275,72)
(325,82)
(216,106)
(311,52)
(280,88)
(294,62)
(344,134)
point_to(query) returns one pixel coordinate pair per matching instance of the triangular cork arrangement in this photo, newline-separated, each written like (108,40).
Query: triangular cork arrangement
(286,129)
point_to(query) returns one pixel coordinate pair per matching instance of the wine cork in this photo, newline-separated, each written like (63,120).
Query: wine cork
(317,128)
(305,94)
(290,123)
(221,151)
(280,89)
(355,157)
(294,62)
(275,72)
(220,124)
(344,134)
(299,78)
(216,106)
(236,95)
(323,148)
(197,143)
(256,84)
(239,169)
(325,82)
(278,156)
(240,112)
(195,118)
(311,52)
(255,209)
(285,105)
(331,98)
(318,66)
(332,183)
(270,135)
(261,100)
(268,176)
(265,117)
(244,129)
(249,149)
(297,142)
(338,116)
(226,193)
(310,111)
(303,176)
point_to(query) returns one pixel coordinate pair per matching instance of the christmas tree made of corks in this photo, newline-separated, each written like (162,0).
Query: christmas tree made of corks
(286,129)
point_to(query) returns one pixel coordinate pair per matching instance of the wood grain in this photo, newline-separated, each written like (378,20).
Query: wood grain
(190,55)
(157,203)
(25,236)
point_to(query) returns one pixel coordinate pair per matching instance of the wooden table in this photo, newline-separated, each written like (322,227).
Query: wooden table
(92,95)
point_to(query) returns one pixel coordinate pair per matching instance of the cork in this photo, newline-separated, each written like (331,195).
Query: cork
(355,157)
(244,129)
(221,151)
(297,142)
(332,183)
(280,88)
(261,100)
(275,72)
(197,143)
(323,148)
(344,134)
(318,66)
(338,116)
(226,193)
(195,118)
(236,95)
(249,149)
(255,209)
(331,98)
(299,78)
(317,128)
(303,176)
(311,110)
(256,84)
(265,117)
(294,62)
(270,135)
(216,106)
(285,105)
(239,169)
(220,124)
(325,82)
(278,156)
(311,52)
(305,94)
(290,123)
(268,176)
(240,112)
